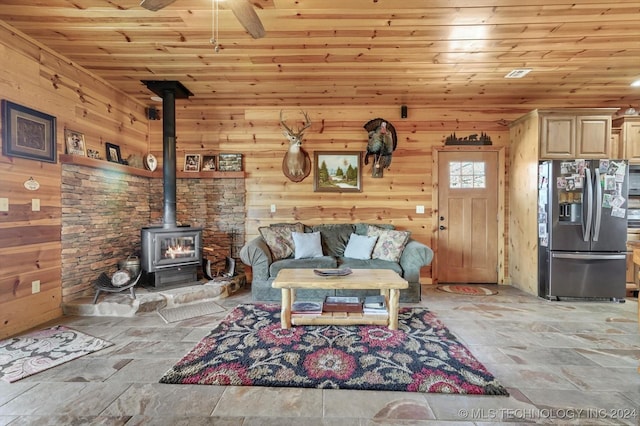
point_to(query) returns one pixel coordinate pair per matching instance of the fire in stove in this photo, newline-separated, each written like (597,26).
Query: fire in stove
(177,250)
(164,248)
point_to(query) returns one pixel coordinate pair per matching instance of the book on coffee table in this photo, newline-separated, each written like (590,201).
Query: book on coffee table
(342,304)
(376,305)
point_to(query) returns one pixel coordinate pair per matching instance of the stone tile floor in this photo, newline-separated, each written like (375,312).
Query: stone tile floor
(563,363)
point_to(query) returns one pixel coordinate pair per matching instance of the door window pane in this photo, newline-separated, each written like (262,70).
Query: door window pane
(467,174)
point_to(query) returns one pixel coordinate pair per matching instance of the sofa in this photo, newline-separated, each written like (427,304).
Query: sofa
(325,246)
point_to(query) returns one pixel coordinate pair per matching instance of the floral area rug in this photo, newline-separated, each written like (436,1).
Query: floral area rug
(249,348)
(32,353)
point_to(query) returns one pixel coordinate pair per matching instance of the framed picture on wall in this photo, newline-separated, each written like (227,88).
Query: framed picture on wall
(75,142)
(192,162)
(230,162)
(208,163)
(113,153)
(337,171)
(28,133)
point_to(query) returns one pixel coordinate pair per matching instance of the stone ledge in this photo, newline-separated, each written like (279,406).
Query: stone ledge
(122,305)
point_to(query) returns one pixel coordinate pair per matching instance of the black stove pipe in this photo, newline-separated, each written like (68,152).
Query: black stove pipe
(169,91)
(169,158)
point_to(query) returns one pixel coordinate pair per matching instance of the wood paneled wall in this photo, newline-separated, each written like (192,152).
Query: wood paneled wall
(256,133)
(30,242)
(36,77)
(523,202)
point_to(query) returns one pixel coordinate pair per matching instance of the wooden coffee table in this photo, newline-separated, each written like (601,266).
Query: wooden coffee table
(388,282)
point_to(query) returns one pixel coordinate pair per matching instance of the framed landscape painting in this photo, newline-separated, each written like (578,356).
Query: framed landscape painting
(337,171)
(28,133)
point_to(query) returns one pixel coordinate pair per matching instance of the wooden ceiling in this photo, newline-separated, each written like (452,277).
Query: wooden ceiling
(453,53)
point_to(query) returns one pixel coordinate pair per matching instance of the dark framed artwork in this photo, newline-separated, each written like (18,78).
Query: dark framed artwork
(337,171)
(75,142)
(113,153)
(208,163)
(28,133)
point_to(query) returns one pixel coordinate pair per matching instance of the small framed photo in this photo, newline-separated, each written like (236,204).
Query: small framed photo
(208,163)
(230,162)
(28,133)
(113,153)
(75,142)
(192,162)
(337,171)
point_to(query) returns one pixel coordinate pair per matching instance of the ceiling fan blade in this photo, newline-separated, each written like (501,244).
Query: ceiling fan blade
(247,17)
(155,5)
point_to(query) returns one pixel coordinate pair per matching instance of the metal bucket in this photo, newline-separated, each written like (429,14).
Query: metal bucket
(132,264)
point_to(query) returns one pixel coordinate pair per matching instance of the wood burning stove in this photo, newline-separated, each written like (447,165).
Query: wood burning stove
(171,255)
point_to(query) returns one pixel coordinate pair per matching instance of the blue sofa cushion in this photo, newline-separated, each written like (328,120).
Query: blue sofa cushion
(360,246)
(307,244)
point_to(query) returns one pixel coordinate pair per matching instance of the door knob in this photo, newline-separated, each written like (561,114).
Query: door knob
(442,228)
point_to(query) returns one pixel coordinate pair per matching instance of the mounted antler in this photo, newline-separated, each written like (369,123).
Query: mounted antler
(295,136)
(298,164)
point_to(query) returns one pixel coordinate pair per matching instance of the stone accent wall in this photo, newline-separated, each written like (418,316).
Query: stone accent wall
(103,212)
(217,205)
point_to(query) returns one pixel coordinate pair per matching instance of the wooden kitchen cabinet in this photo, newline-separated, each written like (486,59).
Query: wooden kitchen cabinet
(629,137)
(576,133)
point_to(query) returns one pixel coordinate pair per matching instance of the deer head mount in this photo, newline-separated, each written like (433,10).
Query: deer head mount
(296,164)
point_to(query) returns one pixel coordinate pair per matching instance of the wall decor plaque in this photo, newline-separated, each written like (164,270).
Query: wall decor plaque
(473,139)
(28,133)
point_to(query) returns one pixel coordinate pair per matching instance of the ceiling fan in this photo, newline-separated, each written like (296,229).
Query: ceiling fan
(241,8)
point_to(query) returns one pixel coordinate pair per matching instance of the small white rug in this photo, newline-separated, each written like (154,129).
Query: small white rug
(192,310)
(32,353)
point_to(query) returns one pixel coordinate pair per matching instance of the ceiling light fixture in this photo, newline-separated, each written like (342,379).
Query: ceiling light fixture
(156,98)
(518,73)
(635,83)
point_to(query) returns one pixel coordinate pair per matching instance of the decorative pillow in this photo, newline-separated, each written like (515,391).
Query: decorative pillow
(390,243)
(279,240)
(360,246)
(307,244)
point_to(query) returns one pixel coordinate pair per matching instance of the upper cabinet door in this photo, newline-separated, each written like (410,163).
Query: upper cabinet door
(558,136)
(566,135)
(631,138)
(593,137)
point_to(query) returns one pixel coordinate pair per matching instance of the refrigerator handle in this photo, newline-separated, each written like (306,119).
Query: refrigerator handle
(587,204)
(587,256)
(598,206)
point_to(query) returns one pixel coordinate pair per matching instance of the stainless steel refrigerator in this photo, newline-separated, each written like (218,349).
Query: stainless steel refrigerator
(582,229)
